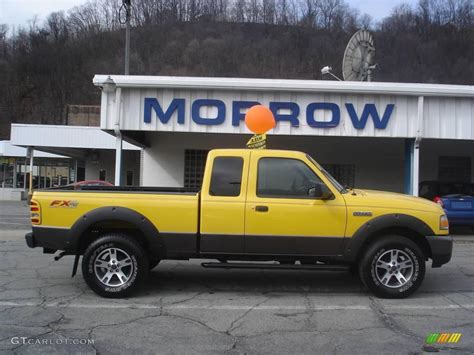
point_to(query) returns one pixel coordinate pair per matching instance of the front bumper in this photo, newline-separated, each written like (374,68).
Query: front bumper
(441,249)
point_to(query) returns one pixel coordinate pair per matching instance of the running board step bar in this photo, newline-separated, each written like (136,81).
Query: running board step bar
(218,265)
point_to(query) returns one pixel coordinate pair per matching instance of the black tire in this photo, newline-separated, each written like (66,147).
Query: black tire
(153,263)
(135,267)
(384,280)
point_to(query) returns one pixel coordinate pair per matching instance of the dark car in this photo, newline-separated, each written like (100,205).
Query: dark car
(457,199)
(434,190)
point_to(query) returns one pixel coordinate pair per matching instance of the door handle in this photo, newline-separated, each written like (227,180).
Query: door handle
(261,208)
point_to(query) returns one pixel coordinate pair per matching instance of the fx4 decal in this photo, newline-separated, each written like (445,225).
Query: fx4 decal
(64,203)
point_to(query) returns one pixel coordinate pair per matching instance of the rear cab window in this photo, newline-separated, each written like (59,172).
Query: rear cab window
(226,177)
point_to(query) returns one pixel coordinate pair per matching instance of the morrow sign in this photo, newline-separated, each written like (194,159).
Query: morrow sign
(282,110)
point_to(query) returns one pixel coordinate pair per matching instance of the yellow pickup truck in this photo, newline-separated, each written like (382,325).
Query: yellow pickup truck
(257,209)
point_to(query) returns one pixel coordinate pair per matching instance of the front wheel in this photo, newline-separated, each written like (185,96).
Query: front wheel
(392,267)
(114,266)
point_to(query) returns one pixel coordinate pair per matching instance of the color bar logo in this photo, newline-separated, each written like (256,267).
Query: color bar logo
(443,338)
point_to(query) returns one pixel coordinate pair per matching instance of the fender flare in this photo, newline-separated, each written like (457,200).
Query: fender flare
(114,213)
(352,246)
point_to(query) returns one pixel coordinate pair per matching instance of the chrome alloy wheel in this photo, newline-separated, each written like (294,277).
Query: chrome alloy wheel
(394,268)
(113,267)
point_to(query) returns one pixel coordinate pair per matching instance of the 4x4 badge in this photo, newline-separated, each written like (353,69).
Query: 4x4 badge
(362,214)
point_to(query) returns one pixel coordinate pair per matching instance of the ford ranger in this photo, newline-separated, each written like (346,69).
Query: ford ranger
(255,206)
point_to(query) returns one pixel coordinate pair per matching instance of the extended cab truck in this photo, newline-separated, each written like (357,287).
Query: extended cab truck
(254,205)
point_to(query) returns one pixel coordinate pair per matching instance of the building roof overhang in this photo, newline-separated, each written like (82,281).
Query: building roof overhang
(216,83)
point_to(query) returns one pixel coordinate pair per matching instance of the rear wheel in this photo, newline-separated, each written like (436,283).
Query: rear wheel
(114,266)
(392,267)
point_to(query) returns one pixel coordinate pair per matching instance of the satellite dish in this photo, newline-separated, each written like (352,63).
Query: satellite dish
(359,57)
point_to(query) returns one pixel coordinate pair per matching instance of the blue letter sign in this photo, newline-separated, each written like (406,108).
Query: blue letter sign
(369,109)
(291,114)
(164,117)
(237,106)
(196,112)
(336,114)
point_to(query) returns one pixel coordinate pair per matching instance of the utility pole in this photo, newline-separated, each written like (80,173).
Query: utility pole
(128,7)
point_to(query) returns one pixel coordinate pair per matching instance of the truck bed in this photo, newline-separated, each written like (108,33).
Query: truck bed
(173,212)
(142,189)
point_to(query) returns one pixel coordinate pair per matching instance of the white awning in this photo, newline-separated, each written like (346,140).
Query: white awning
(72,141)
(7,149)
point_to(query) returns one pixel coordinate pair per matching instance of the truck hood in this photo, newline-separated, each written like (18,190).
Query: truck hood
(391,200)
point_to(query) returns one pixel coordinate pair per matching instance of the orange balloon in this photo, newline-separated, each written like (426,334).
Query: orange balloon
(259,119)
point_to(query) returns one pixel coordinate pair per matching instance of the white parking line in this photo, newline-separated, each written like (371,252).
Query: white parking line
(14,217)
(15,224)
(232,307)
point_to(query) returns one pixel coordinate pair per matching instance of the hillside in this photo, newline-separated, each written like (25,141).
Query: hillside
(44,68)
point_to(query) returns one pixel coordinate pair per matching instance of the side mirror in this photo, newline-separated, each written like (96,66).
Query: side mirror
(321,192)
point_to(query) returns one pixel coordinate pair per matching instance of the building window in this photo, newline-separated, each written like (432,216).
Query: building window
(344,173)
(454,169)
(129,181)
(226,176)
(194,163)
(103,174)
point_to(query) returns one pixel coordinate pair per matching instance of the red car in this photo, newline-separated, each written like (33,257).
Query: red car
(92,183)
(85,183)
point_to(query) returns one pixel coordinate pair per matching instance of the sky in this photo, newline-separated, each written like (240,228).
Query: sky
(19,12)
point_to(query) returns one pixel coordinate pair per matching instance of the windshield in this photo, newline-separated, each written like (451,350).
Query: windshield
(333,181)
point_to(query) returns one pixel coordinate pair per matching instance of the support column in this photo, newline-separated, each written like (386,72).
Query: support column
(30,191)
(4,165)
(416,146)
(118,139)
(409,153)
(118,159)
(412,166)
(14,174)
(416,167)
(24,173)
(75,170)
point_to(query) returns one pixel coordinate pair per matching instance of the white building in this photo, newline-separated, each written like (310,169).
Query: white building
(91,151)
(372,135)
(14,169)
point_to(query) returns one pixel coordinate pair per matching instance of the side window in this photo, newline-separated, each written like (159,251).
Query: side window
(285,178)
(226,176)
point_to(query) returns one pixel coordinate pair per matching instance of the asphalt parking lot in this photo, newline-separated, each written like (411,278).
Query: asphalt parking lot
(186,309)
